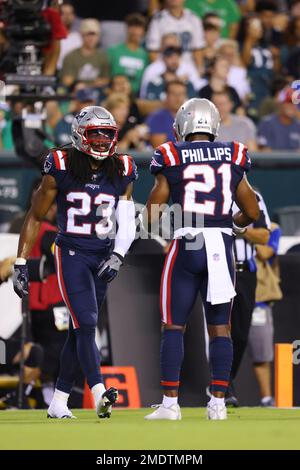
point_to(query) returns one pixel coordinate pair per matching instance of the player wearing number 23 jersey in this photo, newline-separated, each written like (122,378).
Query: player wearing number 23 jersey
(204,178)
(92,185)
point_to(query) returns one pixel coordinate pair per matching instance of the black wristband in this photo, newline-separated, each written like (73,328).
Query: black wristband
(121,258)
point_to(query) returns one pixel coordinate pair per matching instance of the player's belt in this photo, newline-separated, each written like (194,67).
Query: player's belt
(241,266)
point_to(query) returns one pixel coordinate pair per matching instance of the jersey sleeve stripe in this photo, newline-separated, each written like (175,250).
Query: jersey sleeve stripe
(126,164)
(235,151)
(130,165)
(62,165)
(243,162)
(240,154)
(175,153)
(165,155)
(56,160)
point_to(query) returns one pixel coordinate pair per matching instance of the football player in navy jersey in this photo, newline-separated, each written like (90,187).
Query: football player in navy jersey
(89,181)
(203,178)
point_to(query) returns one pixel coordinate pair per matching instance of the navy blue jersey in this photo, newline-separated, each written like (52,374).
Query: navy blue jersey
(203,177)
(84,210)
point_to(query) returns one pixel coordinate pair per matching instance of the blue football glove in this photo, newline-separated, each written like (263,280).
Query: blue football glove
(108,269)
(21,279)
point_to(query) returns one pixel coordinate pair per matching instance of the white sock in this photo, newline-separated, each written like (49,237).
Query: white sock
(169,401)
(216,401)
(61,396)
(97,391)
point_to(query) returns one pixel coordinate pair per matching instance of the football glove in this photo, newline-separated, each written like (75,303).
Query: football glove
(108,269)
(20,279)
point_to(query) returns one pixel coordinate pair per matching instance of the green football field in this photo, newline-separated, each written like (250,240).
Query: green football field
(246,428)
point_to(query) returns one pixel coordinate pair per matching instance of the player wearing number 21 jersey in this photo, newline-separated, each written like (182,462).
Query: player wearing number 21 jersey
(204,178)
(91,183)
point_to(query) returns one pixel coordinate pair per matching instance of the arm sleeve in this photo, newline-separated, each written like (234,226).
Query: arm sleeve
(157,164)
(54,165)
(125,217)
(241,161)
(49,167)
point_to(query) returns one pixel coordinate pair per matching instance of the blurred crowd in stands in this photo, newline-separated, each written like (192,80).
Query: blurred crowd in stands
(142,59)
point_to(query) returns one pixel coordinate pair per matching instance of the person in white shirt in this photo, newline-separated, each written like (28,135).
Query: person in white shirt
(237,76)
(176,19)
(74,39)
(158,67)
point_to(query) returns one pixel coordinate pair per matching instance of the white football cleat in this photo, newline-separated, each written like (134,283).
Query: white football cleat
(59,410)
(104,406)
(216,412)
(172,412)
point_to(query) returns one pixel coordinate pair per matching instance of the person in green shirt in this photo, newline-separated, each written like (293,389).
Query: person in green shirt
(130,59)
(6,139)
(227,10)
(88,63)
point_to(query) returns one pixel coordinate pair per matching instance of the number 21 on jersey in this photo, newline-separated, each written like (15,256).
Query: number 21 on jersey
(208,184)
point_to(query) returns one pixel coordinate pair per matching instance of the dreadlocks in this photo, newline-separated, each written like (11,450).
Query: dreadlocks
(80,166)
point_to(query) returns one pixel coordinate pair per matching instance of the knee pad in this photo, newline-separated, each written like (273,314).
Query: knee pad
(35,357)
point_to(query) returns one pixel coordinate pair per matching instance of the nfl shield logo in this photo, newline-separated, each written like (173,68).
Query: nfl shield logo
(216,257)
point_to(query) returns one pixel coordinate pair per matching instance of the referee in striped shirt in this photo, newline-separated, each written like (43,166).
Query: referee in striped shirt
(244,301)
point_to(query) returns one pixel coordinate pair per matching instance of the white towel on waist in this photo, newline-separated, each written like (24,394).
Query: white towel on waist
(220,289)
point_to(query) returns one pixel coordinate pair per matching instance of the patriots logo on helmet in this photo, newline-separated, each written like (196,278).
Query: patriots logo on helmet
(81,115)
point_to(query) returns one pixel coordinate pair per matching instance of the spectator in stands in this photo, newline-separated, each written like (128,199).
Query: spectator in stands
(291,49)
(160,123)
(174,18)
(259,62)
(280,131)
(156,89)
(6,139)
(246,6)
(270,105)
(227,10)
(237,75)
(218,81)
(130,58)
(87,63)
(212,26)
(73,39)
(138,107)
(273,25)
(112,16)
(131,134)
(295,8)
(158,67)
(83,97)
(233,127)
